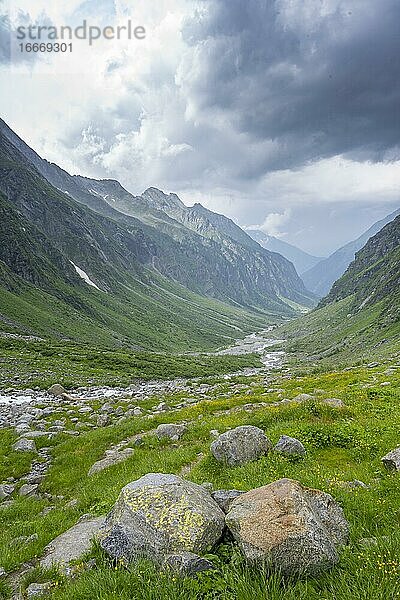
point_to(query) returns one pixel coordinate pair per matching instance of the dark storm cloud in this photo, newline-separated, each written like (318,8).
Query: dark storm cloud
(317,78)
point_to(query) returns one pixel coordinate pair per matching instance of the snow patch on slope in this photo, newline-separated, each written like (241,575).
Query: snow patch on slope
(84,276)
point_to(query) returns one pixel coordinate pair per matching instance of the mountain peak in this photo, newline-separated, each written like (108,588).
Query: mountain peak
(160,199)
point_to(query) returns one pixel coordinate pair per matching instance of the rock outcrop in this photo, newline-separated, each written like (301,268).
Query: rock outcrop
(72,544)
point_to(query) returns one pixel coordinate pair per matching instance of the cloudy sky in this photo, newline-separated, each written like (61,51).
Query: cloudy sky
(282,114)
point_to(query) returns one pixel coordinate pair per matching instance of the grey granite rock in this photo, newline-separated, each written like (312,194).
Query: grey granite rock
(240,445)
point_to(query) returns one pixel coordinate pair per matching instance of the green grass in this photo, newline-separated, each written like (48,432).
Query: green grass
(342,445)
(156,316)
(42,363)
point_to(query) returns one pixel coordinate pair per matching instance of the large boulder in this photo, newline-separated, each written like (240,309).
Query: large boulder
(392,459)
(161,514)
(288,527)
(240,445)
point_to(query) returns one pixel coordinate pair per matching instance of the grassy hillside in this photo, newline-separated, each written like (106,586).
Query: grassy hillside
(155,316)
(375,272)
(39,364)
(320,278)
(359,320)
(333,335)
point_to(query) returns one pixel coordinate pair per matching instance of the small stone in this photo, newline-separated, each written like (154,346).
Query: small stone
(103,420)
(374,541)
(35,590)
(170,430)
(6,490)
(334,402)
(392,459)
(356,483)
(289,446)
(24,445)
(302,398)
(28,489)
(56,390)
(187,564)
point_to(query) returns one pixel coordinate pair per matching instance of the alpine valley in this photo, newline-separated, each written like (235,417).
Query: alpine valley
(180,418)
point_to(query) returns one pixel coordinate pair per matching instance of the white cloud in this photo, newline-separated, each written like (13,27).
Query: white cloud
(273,223)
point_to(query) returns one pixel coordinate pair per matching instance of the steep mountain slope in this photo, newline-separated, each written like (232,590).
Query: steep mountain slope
(200,231)
(301,260)
(44,233)
(183,246)
(374,274)
(360,317)
(320,278)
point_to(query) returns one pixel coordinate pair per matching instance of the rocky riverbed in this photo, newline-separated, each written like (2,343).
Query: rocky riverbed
(258,342)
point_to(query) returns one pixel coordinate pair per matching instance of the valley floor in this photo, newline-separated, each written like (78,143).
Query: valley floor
(343,445)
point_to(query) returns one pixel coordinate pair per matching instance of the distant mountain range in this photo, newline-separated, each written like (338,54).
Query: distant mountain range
(82,258)
(319,278)
(301,260)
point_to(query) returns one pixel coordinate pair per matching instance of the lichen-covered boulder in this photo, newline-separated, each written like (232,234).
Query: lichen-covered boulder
(240,445)
(161,514)
(288,527)
(392,459)
(289,446)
